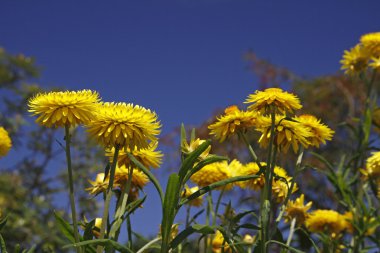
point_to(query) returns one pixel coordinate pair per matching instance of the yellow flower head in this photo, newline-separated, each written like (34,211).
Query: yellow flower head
(320,132)
(187,148)
(251,169)
(64,107)
(373,165)
(232,121)
(5,142)
(325,221)
(281,100)
(212,173)
(139,179)
(188,191)
(218,242)
(297,210)
(99,185)
(149,157)
(375,63)
(371,41)
(355,60)
(129,126)
(287,133)
(280,189)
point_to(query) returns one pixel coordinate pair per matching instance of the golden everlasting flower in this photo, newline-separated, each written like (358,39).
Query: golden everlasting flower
(187,148)
(129,126)
(251,169)
(280,189)
(139,179)
(188,191)
(371,41)
(320,132)
(231,121)
(355,60)
(97,226)
(281,100)
(212,173)
(297,210)
(149,157)
(325,221)
(64,107)
(99,185)
(373,165)
(375,63)
(5,142)
(287,133)
(218,243)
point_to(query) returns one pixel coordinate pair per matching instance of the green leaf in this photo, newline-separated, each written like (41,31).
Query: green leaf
(65,227)
(329,166)
(367,125)
(31,250)
(188,163)
(184,234)
(3,222)
(88,234)
(210,187)
(3,248)
(131,207)
(148,174)
(169,209)
(102,242)
(183,134)
(239,216)
(248,226)
(283,245)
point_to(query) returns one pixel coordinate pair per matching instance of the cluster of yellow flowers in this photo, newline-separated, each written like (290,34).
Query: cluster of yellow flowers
(305,130)
(5,142)
(363,55)
(372,170)
(130,128)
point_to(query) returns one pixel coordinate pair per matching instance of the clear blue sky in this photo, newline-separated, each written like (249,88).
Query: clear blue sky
(181,58)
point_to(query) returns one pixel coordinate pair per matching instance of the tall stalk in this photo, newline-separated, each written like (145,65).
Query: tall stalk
(71,185)
(99,249)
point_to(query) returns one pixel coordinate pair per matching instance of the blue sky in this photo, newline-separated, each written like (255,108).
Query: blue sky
(181,58)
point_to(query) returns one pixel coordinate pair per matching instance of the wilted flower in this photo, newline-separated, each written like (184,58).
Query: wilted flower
(281,101)
(231,121)
(64,107)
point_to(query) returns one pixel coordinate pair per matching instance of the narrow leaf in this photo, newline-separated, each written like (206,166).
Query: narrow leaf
(102,242)
(202,229)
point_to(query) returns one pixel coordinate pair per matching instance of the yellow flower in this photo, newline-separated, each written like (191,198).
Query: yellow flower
(371,41)
(97,226)
(99,185)
(129,126)
(187,148)
(373,165)
(287,133)
(212,173)
(231,121)
(280,189)
(297,210)
(139,179)
(218,243)
(325,221)
(375,63)
(355,60)
(149,157)
(281,100)
(5,142)
(188,191)
(320,132)
(251,169)
(64,107)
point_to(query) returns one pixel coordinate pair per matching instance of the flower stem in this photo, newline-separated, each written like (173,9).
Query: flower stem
(291,232)
(99,249)
(71,186)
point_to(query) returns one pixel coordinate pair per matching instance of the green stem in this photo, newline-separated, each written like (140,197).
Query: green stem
(71,186)
(217,206)
(129,232)
(146,246)
(208,212)
(291,232)
(99,249)
(251,151)
(266,197)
